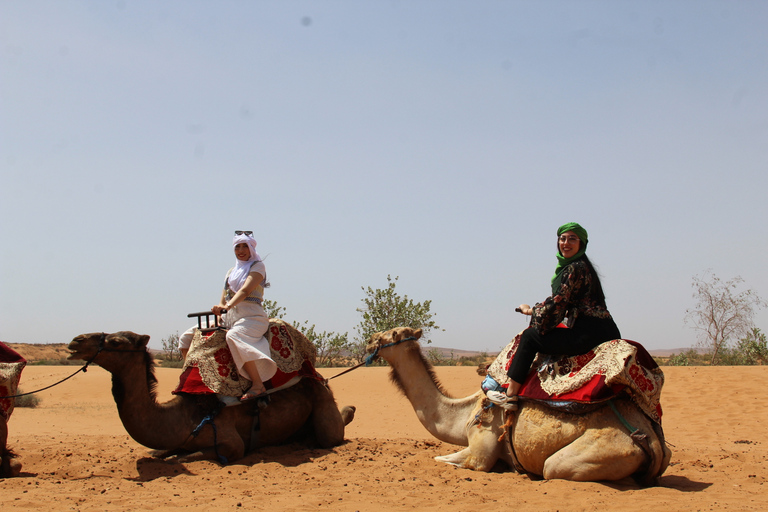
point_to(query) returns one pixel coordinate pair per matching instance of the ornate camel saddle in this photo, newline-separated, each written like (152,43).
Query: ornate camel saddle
(209,367)
(11,365)
(612,368)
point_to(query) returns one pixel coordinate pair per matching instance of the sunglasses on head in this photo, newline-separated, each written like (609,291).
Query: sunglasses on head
(247,233)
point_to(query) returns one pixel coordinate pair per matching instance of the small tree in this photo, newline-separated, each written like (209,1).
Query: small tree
(721,312)
(754,347)
(330,345)
(171,347)
(384,310)
(272,309)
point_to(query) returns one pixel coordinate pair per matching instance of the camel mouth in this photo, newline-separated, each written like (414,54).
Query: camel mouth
(73,353)
(76,349)
(372,348)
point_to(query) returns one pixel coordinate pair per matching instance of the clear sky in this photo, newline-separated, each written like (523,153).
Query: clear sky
(439,141)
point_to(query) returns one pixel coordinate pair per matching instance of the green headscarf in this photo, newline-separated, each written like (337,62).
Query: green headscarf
(564,262)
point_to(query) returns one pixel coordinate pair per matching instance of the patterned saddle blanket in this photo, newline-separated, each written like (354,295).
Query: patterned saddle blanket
(11,365)
(612,368)
(209,367)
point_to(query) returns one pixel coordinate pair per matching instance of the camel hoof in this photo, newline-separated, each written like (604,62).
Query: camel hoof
(15,468)
(10,468)
(348,414)
(455,459)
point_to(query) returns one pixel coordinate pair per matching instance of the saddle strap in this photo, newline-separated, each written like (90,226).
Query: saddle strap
(639,437)
(508,425)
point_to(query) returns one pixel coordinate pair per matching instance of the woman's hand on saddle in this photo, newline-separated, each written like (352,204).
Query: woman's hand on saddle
(524,309)
(218,309)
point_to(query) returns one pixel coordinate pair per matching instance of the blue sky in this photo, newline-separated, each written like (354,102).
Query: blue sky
(439,141)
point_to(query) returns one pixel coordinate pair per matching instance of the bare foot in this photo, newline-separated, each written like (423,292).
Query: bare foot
(254,392)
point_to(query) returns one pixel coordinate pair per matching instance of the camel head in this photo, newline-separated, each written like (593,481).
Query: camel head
(391,337)
(88,346)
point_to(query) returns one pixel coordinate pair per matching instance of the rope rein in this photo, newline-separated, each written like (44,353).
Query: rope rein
(372,356)
(83,368)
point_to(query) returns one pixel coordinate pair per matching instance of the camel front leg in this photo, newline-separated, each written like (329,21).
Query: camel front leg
(9,466)
(223,445)
(484,448)
(600,454)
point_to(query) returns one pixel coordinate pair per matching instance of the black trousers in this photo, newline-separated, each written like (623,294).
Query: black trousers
(586,334)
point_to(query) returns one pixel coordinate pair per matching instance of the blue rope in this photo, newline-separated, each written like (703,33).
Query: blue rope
(206,420)
(477,416)
(375,354)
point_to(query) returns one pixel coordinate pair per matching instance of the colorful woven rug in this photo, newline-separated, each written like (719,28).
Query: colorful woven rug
(603,373)
(209,367)
(11,365)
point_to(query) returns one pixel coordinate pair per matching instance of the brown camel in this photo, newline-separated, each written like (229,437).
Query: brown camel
(9,466)
(304,412)
(11,366)
(554,445)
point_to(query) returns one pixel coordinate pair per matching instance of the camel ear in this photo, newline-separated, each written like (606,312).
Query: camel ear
(417,333)
(142,340)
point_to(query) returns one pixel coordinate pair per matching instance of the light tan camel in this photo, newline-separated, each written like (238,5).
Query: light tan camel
(304,412)
(553,445)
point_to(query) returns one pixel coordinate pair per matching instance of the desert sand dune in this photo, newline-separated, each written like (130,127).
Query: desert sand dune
(77,456)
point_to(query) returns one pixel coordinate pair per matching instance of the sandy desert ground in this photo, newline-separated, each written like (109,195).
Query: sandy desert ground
(77,456)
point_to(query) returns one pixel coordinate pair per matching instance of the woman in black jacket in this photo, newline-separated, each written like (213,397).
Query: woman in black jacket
(577,299)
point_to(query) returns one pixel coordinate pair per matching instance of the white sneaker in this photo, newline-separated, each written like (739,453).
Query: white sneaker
(497,397)
(509,403)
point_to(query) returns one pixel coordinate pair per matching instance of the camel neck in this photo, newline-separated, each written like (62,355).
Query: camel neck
(444,417)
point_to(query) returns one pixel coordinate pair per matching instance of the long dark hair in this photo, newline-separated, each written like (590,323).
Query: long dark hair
(596,290)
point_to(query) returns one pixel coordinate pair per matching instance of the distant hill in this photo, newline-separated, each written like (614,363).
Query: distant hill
(34,352)
(446,352)
(58,351)
(457,353)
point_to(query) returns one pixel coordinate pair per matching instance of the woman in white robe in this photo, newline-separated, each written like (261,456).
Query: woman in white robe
(244,316)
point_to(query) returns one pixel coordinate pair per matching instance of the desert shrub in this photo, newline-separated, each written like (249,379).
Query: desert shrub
(481,358)
(690,357)
(55,362)
(437,359)
(27,400)
(170,363)
(754,347)
(171,351)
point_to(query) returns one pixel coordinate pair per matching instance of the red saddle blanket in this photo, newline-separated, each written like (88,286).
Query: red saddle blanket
(209,367)
(11,365)
(611,368)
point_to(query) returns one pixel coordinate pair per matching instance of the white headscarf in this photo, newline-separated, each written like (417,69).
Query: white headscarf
(240,273)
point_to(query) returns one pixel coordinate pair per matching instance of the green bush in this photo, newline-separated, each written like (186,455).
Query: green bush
(56,362)
(170,363)
(26,400)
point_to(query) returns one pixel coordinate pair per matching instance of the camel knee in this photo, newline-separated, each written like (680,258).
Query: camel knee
(348,414)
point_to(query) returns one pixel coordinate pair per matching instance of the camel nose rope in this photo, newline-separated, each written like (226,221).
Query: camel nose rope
(83,368)
(372,356)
